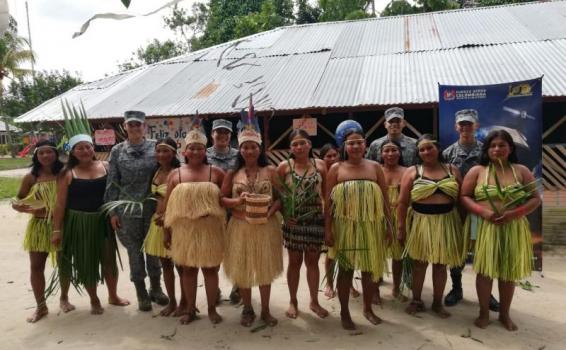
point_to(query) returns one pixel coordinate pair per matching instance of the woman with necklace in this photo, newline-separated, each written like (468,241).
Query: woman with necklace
(88,245)
(501,193)
(355,214)
(194,222)
(391,159)
(166,157)
(304,236)
(37,196)
(435,229)
(253,251)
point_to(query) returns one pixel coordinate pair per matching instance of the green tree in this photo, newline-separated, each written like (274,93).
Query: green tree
(271,16)
(498,2)
(154,52)
(188,26)
(24,94)
(307,13)
(398,7)
(338,10)
(14,52)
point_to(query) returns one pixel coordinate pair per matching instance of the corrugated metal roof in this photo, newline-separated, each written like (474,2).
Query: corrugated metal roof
(383,61)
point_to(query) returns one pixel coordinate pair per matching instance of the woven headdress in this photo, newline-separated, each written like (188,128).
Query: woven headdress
(249,129)
(196,133)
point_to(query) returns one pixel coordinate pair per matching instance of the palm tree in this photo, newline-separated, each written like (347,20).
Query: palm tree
(14,51)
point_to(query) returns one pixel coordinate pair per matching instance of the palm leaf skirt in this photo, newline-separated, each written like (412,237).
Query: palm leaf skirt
(153,243)
(87,245)
(198,242)
(38,236)
(504,251)
(254,253)
(435,238)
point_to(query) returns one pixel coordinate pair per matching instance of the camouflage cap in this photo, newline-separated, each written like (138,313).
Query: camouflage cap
(222,124)
(134,116)
(394,112)
(467,115)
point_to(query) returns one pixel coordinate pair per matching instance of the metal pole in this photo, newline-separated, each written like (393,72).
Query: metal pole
(30,46)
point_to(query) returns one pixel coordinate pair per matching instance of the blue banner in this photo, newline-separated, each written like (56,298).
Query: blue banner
(515,107)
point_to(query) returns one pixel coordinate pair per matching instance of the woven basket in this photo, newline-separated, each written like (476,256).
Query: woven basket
(257,206)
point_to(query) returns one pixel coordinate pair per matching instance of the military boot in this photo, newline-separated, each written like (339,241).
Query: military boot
(156,293)
(144,302)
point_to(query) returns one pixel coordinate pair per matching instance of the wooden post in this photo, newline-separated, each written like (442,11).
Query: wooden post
(266,140)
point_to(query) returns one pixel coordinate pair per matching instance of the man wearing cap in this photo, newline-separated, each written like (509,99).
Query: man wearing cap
(464,154)
(220,154)
(394,124)
(132,164)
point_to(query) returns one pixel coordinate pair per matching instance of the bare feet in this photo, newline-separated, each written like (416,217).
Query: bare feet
(347,322)
(354,292)
(169,309)
(399,296)
(329,292)
(268,319)
(188,317)
(248,316)
(376,300)
(181,309)
(117,301)
(293,311)
(319,310)
(415,307)
(507,323)
(95,307)
(439,310)
(65,305)
(482,322)
(213,316)
(371,317)
(38,314)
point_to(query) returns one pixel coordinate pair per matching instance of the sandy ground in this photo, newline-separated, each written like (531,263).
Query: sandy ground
(14,172)
(540,316)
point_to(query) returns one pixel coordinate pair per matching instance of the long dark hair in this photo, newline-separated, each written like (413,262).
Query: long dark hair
(342,149)
(396,143)
(36,165)
(502,134)
(431,138)
(261,160)
(175,162)
(303,134)
(326,148)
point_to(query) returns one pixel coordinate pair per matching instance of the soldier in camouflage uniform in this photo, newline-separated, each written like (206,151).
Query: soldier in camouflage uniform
(394,123)
(226,158)
(464,154)
(132,164)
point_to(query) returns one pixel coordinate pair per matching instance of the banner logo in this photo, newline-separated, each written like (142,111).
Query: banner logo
(520,90)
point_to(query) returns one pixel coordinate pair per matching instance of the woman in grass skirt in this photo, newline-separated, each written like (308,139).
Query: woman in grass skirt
(355,215)
(253,251)
(166,157)
(37,197)
(502,193)
(329,154)
(88,245)
(304,237)
(195,224)
(391,159)
(434,227)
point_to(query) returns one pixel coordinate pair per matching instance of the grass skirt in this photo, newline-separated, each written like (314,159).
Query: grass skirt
(153,243)
(359,227)
(198,242)
(88,245)
(504,251)
(435,238)
(38,236)
(254,253)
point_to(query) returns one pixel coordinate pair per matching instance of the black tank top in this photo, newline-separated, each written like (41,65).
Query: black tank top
(86,194)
